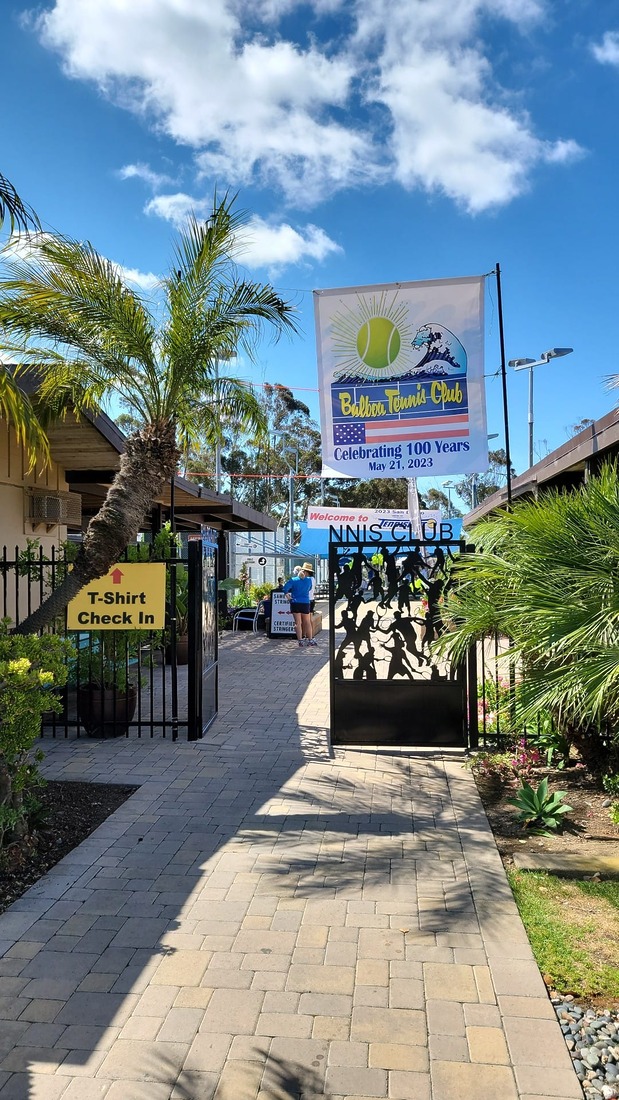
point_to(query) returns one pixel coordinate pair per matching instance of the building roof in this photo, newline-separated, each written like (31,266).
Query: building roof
(564,468)
(89,449)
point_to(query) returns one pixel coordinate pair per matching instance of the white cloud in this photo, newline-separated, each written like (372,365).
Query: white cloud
(260,243)
(406,91)
(143,280)
(447,133)
(23,247)
(143,172)
(277,246)
(177,207)
(608,51)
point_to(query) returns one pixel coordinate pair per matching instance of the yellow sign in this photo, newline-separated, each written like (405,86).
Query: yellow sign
(129,597)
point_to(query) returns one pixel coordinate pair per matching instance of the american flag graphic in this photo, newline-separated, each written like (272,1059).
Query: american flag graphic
(389,431)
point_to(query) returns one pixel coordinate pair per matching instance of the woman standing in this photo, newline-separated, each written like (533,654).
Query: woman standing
(299,590)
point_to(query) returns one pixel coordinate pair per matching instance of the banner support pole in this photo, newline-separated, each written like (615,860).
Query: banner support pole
(508,457)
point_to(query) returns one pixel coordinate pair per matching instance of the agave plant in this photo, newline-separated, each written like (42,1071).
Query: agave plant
(540,809)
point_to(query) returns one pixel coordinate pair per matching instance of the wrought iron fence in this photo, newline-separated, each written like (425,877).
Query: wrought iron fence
(500,676)
(121,682)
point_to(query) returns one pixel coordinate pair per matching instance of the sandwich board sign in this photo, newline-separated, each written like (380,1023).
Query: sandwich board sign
(282,621)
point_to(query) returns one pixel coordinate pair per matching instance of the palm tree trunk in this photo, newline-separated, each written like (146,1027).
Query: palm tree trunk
(148,461)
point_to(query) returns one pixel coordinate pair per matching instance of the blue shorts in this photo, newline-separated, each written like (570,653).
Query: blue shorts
(300,608)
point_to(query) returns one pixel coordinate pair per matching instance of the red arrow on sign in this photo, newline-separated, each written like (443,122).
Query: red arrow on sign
(116,574)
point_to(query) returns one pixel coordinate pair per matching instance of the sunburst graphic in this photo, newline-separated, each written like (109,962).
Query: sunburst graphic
(372,341)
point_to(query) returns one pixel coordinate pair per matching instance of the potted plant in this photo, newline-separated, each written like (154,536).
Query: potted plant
(106,700)
(225,588)
(182,614)
(167,546)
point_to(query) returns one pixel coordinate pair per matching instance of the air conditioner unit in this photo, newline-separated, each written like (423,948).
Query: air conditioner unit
(54,508)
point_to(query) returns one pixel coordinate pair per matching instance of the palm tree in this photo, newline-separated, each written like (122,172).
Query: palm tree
(88,337)
(546,575)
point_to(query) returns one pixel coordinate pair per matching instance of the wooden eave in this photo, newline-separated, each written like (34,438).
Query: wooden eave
(89,449)
(564,467)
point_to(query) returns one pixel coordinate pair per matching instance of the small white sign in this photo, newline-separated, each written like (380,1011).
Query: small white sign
(282,622)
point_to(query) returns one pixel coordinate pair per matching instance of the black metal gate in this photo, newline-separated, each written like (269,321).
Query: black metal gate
(385,601)
(203,672)
(147,683)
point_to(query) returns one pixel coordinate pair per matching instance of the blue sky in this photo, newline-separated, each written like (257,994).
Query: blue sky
(371,140)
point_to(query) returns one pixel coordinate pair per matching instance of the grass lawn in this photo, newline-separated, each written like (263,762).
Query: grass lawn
(573,927)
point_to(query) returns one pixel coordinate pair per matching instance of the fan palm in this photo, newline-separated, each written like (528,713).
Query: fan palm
(69,317)
(548,579)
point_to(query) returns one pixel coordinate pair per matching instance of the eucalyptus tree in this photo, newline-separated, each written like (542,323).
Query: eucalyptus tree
(69,317)
(480,486)
(259,464)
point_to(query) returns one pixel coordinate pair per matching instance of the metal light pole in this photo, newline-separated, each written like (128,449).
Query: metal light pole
(291,510)
(529,364)
(218,444)
(288,449)
(222,357)
(449,485)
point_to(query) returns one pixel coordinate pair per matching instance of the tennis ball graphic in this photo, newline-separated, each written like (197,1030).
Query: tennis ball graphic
(378,343)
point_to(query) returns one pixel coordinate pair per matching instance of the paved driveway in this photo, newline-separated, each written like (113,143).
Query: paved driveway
(263,919)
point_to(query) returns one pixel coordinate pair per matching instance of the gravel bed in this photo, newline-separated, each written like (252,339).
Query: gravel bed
(592,1039)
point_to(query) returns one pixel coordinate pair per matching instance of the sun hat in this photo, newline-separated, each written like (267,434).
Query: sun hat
(307,568)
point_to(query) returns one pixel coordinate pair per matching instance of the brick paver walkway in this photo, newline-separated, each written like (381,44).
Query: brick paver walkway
(263,920)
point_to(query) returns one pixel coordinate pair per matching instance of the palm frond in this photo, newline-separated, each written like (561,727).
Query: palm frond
(64,294)
(547,576)
(18,410)
(19,213)
(229,401)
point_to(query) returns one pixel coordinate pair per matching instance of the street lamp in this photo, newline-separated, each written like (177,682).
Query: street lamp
(449,485)
(529,364)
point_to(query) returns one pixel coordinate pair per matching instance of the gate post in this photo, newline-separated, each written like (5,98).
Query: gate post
(194,670)
(203,671)
(471,696)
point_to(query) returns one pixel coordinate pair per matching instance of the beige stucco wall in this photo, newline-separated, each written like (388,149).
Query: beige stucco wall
(15,478)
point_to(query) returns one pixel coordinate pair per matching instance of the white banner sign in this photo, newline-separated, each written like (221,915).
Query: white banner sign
(384,519)
(400,373)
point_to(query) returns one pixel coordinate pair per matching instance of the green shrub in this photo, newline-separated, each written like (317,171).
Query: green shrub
(111,659)
(31,668)
(258,592)
(544,576)
(499,704)
(242,599)
(610,784)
